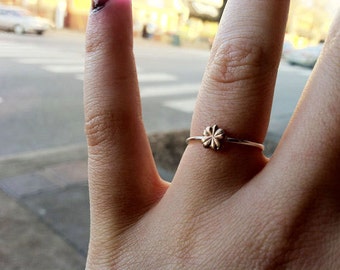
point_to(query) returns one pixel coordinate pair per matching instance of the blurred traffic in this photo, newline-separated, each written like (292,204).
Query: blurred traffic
(305,57)
(20,21)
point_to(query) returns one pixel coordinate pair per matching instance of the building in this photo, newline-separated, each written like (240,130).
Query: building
(187,20)
(310,20)
(162,16)
(64,13)
(165,15)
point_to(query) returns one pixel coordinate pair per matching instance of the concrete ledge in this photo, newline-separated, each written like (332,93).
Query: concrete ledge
(35,160)
(167,149)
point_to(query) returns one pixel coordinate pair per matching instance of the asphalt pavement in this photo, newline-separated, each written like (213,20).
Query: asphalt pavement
(41,90)
(44,212)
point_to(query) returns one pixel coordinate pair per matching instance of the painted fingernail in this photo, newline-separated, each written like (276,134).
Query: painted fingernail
(97,5)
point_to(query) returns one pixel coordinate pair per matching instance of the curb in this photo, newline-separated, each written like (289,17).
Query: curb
(167,149)
(36,160)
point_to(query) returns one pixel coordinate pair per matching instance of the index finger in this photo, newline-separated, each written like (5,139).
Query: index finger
(123,179)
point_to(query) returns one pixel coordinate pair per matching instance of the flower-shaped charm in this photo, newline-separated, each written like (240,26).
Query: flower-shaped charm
(212,137)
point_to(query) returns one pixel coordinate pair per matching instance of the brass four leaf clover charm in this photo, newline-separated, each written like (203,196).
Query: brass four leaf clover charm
(212,137)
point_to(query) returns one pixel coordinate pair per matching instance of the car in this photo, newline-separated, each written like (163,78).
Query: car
(305,57)
(22,21)
(287,48)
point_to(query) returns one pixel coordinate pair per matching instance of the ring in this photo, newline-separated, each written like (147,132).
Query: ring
(213,137)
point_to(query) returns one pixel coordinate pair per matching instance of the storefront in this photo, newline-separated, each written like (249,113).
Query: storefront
(158,17)
(161,16)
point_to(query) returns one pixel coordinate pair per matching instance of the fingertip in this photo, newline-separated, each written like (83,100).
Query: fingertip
(98,5)
(110,25)
(106,12)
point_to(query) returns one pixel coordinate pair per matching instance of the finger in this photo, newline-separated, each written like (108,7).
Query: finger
(119,152)
(237,89)
(310,147)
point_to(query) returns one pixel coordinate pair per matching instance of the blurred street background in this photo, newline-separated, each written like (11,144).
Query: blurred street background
(41,89)
(44,215)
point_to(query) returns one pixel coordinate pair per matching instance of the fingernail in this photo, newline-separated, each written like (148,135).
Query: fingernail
(97,5)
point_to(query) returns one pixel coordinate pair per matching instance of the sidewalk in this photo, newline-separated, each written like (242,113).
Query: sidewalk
(44,207)
(44,219)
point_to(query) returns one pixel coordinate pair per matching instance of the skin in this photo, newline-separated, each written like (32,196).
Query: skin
(232,209)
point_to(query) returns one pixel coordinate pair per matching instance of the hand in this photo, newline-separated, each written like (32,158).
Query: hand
(229,209)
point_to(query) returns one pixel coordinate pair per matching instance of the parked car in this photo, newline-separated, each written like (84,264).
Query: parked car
(22,21)
(286,48)
(306,57)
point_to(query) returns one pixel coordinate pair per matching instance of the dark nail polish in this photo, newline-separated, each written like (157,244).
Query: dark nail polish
(97,5)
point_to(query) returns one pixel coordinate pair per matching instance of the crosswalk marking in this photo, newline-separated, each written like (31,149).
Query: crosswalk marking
(39,61)
(28,54)
(169,90)
(156,77)
(64,68)
(152,84)
(183,105)
(80,77)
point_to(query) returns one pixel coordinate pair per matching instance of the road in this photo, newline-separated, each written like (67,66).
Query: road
(41,90)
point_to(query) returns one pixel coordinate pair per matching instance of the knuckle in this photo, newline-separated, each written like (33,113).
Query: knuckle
(99,127)
(94,44)
(237,60)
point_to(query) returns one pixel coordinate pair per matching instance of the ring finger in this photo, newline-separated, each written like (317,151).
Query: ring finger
(237,92)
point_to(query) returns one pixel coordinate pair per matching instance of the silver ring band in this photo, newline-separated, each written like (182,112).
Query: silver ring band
(213,137)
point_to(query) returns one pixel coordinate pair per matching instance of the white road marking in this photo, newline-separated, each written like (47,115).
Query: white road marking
(156,77)
(60,62)
(30,54)
(80,77)
(39,61)
(64,68)
(169,90)
(32,51)
(183,105)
